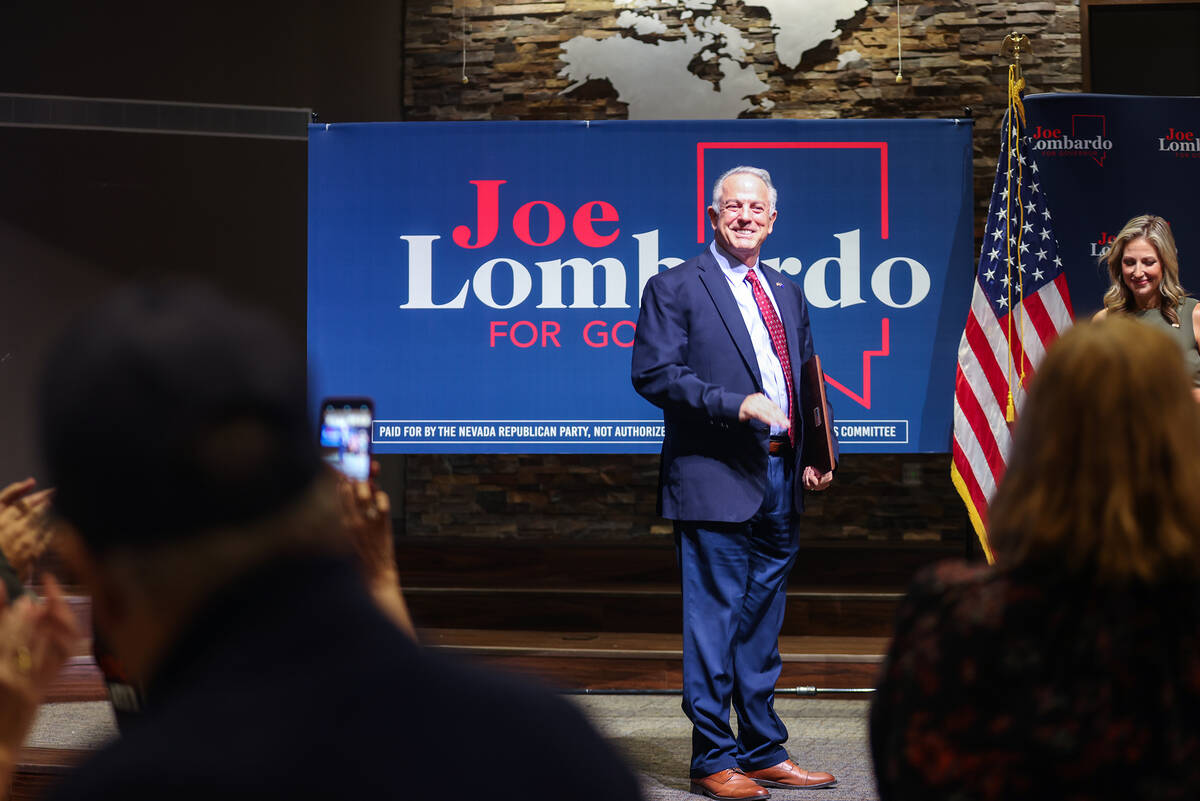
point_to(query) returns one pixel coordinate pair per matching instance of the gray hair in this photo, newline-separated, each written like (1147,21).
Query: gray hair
(757,172)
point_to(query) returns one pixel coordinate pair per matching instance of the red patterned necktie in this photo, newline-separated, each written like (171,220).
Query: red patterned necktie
(779,342)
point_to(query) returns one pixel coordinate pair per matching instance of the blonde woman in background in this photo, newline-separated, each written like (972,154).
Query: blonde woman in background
(1143,270)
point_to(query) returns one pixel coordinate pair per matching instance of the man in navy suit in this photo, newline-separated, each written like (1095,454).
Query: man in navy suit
(719,348)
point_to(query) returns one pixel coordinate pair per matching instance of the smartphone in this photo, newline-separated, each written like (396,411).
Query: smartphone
(346,435)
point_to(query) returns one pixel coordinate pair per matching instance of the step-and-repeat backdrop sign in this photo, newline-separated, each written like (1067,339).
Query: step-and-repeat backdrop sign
(481,281)
(1105,159)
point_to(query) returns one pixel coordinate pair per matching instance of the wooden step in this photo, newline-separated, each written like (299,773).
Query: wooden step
(40,769)
(634,660)
(459,562)
(589,660)
(812,611)
(837,588)
(79,680)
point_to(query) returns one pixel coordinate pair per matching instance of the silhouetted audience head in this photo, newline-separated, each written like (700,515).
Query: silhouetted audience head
(182,402)
(175,428)
(1104,475)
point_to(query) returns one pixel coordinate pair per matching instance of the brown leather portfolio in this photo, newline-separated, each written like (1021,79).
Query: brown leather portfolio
(818,428)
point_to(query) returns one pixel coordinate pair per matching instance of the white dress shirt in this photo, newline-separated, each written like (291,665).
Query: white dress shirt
(774,385)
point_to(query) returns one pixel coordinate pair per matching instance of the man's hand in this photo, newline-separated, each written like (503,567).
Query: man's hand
(24,525)
(759,407)
(816,481)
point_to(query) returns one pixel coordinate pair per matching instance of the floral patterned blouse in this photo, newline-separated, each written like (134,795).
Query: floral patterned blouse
(1019,685)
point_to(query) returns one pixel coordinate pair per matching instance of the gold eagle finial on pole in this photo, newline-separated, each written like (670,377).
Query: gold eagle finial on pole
(1013,46)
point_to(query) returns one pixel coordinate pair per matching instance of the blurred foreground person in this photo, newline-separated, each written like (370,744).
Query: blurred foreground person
(1143,271)
(196,510)
(1072,669)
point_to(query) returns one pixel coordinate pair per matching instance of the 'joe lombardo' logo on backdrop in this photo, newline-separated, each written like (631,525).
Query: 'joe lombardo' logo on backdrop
(833,281)
(583,281)
(598,280)
(1101,245)
(1180,143)
(1087,137)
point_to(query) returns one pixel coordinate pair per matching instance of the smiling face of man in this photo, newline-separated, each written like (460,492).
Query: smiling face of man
(744,217)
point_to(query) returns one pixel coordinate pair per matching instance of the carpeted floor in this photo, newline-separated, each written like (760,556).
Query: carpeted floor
(651,731)
(829,735)
(80,726)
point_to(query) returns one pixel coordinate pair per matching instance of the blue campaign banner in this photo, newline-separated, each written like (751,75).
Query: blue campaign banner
(1105,159)
(481,281)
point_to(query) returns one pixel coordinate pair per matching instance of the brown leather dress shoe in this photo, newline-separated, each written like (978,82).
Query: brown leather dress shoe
(728,784)
(787,775)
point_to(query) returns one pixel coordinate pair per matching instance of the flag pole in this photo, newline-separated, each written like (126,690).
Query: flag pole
(1013,45)
(1019,305)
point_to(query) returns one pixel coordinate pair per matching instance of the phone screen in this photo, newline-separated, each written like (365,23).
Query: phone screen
(346,435)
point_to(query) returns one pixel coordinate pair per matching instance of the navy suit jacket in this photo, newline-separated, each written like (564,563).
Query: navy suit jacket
(693,358)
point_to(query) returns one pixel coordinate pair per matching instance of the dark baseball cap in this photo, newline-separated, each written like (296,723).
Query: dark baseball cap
(168,410)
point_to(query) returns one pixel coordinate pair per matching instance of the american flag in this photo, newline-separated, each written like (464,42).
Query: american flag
(1019,305)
